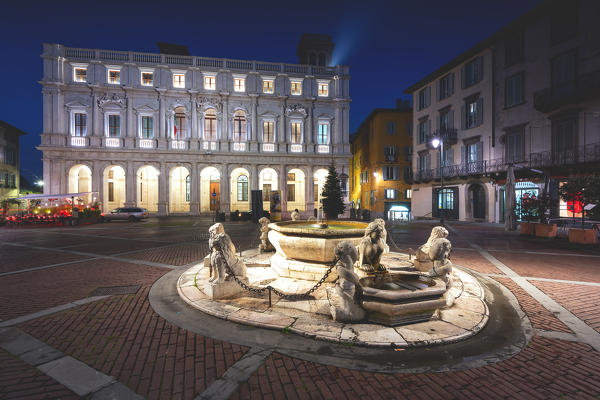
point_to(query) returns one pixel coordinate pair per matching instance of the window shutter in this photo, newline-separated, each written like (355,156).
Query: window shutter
(463,117)
(479,111)
(427,96)
(428,161)
(463,155)
(479,151)
(451,119)
(384,173)
(479,68)
(438,122)
(451,84)
(450,156)
(438,86)
(427,128)
(463,76)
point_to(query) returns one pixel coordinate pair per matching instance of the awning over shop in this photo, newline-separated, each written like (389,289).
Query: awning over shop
(398,208)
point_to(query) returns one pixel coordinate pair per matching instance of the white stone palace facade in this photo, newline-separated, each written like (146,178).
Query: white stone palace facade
(183,134)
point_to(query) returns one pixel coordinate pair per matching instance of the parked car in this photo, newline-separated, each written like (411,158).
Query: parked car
(130,214)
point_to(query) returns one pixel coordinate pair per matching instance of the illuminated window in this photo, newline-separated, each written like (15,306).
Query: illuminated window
(239,126)
(446,199)
(114,126)
(210,125)
(147,78)
(178,80)
(80,124)
(210,82)
(268,85)
(239,84)
(242,188)
(80,74)
(114,76)
(323,135)
(296,132)
(296,88)
(268,132)
(180,126)
(391,194)
(408,194)
(291,192)
(323,89)
(147,127)
(266,191)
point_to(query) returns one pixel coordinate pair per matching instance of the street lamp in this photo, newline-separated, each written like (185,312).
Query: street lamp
(435,143)
(40,183)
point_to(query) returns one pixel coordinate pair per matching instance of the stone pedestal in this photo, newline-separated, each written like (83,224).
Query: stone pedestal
(342,307)
(223,290)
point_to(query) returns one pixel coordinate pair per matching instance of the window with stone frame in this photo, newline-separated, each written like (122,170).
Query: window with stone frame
(210,125)
(296,134)
(268,132)
(114,125)
(514,90)
(242,188)
(80,124)
(514,143)
(147,127)
(239,126)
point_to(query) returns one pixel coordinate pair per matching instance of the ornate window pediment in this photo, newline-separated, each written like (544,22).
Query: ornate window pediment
(76,104)
(145,108)
(205,103)
(114,99)
(296,109)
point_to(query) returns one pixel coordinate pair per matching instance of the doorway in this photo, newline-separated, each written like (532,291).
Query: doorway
(215,195)
(477,197)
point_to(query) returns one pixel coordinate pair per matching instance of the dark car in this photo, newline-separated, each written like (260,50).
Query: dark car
(130,214)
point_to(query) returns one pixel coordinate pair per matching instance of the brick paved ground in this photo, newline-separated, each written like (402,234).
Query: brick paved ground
(546,369)
(121,336)
(19,380)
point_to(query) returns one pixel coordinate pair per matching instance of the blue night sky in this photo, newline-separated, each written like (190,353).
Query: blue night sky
(388,45)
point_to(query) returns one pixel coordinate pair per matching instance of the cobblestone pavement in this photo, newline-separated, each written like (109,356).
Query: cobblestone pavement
(557,286)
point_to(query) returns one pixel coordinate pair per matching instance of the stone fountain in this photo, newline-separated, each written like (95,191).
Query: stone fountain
(340,271)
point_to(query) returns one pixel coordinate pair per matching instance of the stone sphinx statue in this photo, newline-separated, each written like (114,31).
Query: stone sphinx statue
(371,248)
(295,215)
(434,256)
(381,222)
(342,297)
(265,244)
(222,254)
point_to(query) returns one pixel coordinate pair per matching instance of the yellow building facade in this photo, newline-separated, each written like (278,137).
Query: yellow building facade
(380,168)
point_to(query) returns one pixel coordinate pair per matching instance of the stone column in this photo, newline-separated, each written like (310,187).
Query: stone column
(254,137)
(48,176)
(130,186)
(283,188)
(162,190)
(225,125)
(162,135)
(195,190)
(96,180)
(281,137)
(194,134)
(310,127)
(130,125)
(338,124)
(310,191)
(254,177)
(225,191)
(96,139)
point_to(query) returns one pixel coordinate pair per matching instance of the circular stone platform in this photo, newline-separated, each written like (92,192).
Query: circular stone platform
(311,318)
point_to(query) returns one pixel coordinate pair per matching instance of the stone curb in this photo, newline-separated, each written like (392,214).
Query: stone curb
(455,318)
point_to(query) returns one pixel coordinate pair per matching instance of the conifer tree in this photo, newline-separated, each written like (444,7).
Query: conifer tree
(333,204)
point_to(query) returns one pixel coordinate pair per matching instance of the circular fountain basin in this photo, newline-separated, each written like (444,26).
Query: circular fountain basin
(402,298)
(308,241)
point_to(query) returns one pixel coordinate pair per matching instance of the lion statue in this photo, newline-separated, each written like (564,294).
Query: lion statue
(343,304)
(371,248)
(223,253)
(381,222)
(434,256)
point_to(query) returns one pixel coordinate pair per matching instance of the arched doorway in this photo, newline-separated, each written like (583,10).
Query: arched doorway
(114,187)
(210,190)
(240,190)
(179,190)
(267,181)
(295,190)
(147,188)
(477,201)
(80,180)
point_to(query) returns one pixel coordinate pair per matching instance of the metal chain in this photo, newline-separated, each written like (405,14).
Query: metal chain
(288,296)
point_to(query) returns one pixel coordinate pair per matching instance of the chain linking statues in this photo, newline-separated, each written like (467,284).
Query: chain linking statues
(223,255)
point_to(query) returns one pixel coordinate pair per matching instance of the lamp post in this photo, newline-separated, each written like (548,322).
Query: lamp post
(439,142)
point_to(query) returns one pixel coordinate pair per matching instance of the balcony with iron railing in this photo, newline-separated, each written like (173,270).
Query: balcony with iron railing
(448,135)
(550,160)
(584,87)
(112,56)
